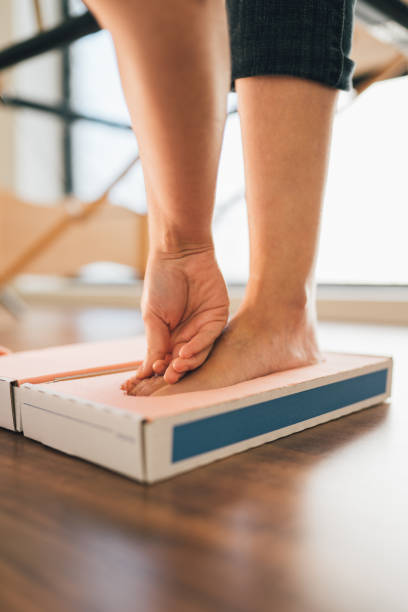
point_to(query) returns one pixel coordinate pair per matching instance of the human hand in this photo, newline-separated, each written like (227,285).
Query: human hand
(185,308)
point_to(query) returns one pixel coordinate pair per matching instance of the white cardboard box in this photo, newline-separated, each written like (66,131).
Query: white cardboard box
(6,402)
(61,362)
(152,438)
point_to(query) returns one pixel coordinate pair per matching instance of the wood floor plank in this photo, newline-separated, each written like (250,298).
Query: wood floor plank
(315,522)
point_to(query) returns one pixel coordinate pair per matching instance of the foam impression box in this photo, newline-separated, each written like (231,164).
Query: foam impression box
(61,362)
(152,438)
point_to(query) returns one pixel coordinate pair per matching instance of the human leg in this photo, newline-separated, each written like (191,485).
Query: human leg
(287,63)
(286,127)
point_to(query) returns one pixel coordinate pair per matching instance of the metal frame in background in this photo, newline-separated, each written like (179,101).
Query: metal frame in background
(59,37)
(64,34)
(386,18)
(72,29)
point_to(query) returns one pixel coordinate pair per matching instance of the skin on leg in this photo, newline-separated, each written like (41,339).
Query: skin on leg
(175,68)
(286,127)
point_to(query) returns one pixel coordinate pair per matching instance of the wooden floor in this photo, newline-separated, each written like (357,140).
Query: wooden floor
(317,522)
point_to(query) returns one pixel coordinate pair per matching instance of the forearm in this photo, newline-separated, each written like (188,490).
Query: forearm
(174,64)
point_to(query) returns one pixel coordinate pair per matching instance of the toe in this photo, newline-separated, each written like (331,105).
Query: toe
(148,386)
(131,389)
(129,383)
(139,388)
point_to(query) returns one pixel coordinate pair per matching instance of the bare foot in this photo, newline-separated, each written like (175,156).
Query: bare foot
(251,346)
(146,386)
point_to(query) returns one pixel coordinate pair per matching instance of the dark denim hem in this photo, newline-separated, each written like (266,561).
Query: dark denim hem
(309,39)
(344,83)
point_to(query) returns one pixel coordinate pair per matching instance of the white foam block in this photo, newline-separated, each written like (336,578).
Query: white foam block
(151,438)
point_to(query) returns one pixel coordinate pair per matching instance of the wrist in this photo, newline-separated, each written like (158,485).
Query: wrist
(179,242)
(183,251)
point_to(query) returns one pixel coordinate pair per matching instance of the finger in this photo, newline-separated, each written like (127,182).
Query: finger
(158,344)
(160,365)
(174,374)
(203,339)
(171,376)
(184,365)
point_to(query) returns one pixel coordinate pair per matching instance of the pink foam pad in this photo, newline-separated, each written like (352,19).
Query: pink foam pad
(73,359)
(106,389)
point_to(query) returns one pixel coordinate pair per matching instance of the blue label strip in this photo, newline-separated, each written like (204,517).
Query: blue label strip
(208,434)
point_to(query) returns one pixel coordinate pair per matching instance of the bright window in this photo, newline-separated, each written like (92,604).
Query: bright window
(364,233)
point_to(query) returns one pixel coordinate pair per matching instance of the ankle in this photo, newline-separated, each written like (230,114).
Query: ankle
(276,317)
(276,304)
